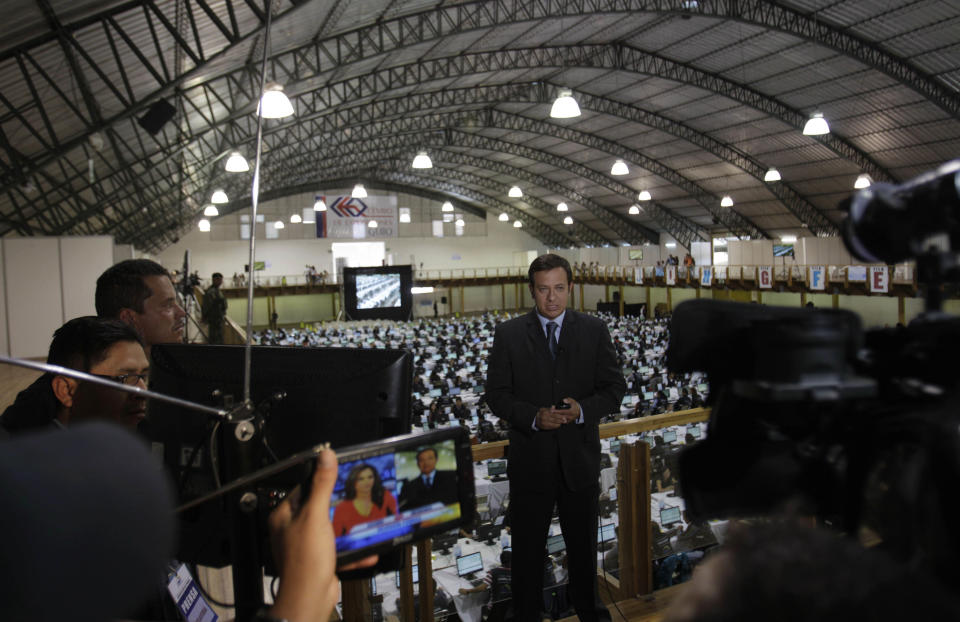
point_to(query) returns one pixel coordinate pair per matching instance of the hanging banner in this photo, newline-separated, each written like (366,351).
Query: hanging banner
(350,218)
(879,280)
(671,275)
(817,278)
(706,276)
(638,275)
(857,273)
(765,277)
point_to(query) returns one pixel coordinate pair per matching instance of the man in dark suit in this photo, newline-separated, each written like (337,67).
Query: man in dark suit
(554,356)
(431,485)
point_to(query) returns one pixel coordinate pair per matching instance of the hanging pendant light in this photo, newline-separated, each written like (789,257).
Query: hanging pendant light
(517,224)
(219,197)
(446,207)
(372,224)
(562,207)
(278,225)
(816,125)
(359,192)
(515,192)
(568,220)
(236,163)
(644,196)
(565,106)
(422,161)
(503,217)
(772,175)
(274,103)
(211,210)
(726,201)
(295,219)
(319,206)
(863,181)
(619,168)
(634,210)
(203,225)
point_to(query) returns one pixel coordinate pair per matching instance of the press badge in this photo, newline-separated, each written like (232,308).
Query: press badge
(190,601)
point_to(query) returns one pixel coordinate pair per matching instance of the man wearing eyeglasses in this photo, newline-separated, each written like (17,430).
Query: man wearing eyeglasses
(106,348)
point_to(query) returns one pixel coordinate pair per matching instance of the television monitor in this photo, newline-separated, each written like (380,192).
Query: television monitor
(496,467)
(651,441)
(669,436)
(613,494)
(445,541)
(455,391)
(555,544)
(416,575)
(615,446)
(469,564)
(702,387)
(669,516)
(486,530)
(344,396)
(783,250)
(435,392)
(378,293)
(606,533)
(648,395)
(694,431)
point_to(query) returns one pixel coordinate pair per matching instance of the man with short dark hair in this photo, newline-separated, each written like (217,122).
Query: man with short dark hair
(107,348)
(139,292)
(550,357)
(431,485)
(214,310)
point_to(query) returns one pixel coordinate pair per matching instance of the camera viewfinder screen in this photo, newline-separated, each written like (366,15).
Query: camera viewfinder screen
(378,291)
(379,498)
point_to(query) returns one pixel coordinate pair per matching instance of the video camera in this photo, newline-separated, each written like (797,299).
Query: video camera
(811,415)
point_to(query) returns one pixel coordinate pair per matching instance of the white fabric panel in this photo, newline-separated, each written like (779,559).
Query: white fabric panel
(34,302)
(82,260)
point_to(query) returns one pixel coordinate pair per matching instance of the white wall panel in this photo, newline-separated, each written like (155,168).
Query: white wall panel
(82,261)
(34,302)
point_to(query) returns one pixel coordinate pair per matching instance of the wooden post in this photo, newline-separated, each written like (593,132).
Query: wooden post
(606,293)
(669,300)
(621,299)
(461,299)
(803,298)
(581,296)
(406,586)
(759,296)
(901,310)
(649,309)
(633,494)
(516,295)
(356,600)
(503,296)
(425,570)
(836,300)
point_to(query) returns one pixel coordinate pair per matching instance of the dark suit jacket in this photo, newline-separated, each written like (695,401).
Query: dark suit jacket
(415,494)
(522,377)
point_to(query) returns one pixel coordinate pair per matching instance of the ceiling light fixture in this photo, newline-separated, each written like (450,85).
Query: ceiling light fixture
(372,224)
(422,161)
(517,224)
(568,220)
(726,201)
(459,222)
(863,181)
(515,192)
(219,197)
(236,163)
(562,207)
(644,196)
(405,215)
(319,206)
(446,207)
(203,225)
(619,168)
(359,192)
(671,244)
(816,125)
(295,219)
(788,238)
(634,210)
(278,225)
(503,217)
(772,174)
(211,210)
(274,103)
(565,106)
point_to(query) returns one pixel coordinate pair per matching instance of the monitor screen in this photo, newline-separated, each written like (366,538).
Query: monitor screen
(345,396)
(651,441)
(496,467)
(434,393)
(555,544)
(669,516)
(648,395)
(613,494)
(455,391)
(416,575)
(702,387)
(694,431)
(607,532)
(669,436)
(468,564)
(615,446)
(381,292)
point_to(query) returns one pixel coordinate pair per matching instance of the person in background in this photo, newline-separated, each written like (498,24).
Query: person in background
(214,310)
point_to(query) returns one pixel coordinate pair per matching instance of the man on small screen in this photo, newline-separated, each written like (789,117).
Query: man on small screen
(431,485)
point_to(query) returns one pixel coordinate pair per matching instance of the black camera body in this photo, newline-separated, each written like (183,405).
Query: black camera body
(811,415)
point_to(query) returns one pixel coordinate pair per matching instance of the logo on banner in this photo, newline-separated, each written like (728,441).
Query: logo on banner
(765,277)
(348,217)
(706,276)
(817,278)
(879,283)
(671,275)
(348,207)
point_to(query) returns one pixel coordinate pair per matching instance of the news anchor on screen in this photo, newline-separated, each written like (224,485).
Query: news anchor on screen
(365,499)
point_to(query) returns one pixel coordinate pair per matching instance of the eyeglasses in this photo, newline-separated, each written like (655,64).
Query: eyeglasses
(127,379)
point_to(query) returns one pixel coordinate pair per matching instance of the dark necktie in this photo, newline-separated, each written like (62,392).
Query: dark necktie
(552,338)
